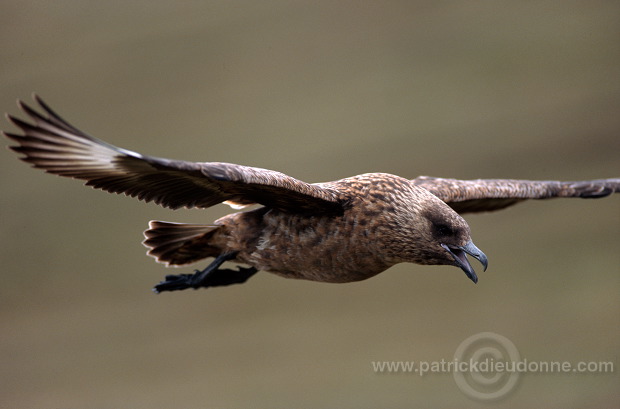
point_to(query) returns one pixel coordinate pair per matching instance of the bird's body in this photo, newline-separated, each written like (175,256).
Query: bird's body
(357,243)
(341,231)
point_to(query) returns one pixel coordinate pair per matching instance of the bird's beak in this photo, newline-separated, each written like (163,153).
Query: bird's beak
(458,253)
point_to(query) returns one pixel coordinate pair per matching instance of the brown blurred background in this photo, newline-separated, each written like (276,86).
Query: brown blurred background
(320,90)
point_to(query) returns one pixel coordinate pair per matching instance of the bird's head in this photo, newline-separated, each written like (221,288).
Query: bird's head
(451,232)
(425,230)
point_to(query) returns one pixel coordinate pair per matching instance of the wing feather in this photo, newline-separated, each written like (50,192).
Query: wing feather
(54,145)
(467,196)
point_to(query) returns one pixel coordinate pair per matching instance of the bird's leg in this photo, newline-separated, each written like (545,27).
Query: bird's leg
(211,276)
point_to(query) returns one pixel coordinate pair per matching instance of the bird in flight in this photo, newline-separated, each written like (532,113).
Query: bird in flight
(341,231)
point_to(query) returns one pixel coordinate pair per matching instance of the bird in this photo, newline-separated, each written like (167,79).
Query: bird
(336,232)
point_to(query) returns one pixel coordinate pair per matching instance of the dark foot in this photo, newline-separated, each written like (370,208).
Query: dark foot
(216,278)
(211,276)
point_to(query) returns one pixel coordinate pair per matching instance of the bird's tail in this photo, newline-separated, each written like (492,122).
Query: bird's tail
(180,243)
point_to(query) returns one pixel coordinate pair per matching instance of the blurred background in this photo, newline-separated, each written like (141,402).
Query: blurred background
(320,90)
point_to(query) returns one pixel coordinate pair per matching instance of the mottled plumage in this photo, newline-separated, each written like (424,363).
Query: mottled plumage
(341,231)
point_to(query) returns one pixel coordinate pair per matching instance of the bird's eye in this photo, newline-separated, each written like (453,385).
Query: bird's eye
(444,229)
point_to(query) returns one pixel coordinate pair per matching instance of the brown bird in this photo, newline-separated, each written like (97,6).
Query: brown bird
(342,231)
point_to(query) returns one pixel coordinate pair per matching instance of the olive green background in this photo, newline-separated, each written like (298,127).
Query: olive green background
(319,90)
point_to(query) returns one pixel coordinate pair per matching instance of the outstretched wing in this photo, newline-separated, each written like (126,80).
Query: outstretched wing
(56,146)
(466,196)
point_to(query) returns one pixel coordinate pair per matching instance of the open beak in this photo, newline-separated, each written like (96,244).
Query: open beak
(459,255)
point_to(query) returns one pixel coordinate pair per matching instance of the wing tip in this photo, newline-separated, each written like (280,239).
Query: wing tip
(596,189)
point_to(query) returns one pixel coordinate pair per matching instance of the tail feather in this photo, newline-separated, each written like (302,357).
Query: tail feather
(180,243)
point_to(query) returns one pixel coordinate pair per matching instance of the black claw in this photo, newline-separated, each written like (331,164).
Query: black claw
(175,283)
